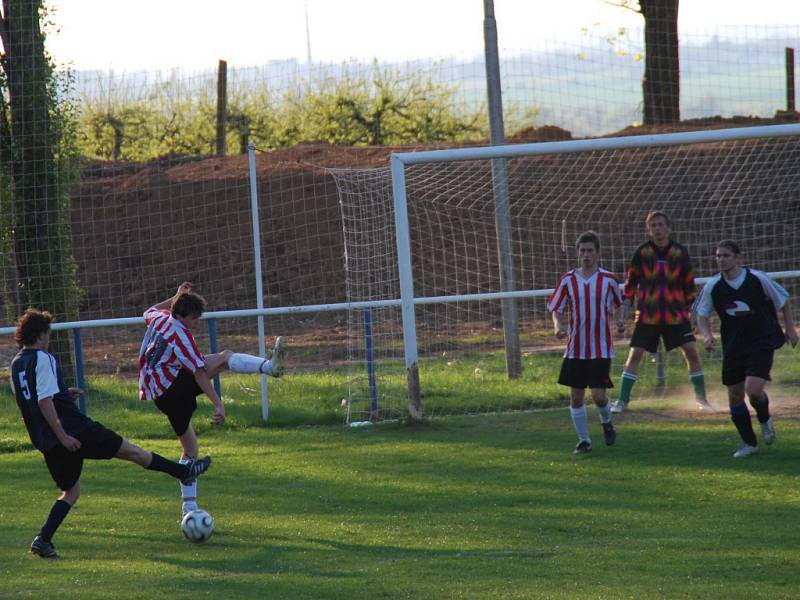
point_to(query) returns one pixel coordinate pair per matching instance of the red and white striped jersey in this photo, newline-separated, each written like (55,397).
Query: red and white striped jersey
(168,346)
(591,302)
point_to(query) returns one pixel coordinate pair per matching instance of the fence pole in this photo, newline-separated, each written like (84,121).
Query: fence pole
(790,104)
(222,107)
(370,351)
(262,349)
(212,343)
(501,194)
(80,380)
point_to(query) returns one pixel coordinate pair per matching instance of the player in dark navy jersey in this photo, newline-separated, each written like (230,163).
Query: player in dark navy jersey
(747,302)
(63,434)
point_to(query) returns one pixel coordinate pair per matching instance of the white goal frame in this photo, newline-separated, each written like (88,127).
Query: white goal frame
(400,161)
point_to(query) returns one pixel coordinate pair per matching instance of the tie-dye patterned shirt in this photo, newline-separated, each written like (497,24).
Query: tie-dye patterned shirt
(662,281)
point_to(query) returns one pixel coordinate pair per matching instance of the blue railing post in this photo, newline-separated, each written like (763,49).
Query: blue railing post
(212,344)
(373,386)
(79,375)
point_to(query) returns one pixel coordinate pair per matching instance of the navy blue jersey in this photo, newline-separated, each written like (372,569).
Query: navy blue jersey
(35,375)
(747,314)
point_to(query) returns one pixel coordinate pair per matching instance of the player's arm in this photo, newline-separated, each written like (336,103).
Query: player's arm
(788,324)
(183,288)
(559,324)
(704,326)
(204,382)
(701,310)
(49,413)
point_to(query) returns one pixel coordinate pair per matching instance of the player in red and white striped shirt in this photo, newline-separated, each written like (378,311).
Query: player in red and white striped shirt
(173,371)
(592,296)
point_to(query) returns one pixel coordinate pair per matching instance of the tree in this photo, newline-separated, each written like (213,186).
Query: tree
(34,171)
(661,82)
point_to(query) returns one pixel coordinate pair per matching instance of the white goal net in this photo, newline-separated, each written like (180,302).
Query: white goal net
(744,189)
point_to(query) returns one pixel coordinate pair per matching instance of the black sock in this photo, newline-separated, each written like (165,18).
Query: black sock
(177,470)
(744,424)
(762,408)
(57,514)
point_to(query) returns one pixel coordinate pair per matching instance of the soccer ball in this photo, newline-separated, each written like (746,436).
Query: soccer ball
(197,525)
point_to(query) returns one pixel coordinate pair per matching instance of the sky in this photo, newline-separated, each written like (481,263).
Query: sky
(131,35)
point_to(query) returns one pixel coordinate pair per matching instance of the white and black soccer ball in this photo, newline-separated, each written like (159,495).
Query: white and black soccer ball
(197,525)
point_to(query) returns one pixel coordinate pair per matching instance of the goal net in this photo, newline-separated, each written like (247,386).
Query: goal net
(713,185)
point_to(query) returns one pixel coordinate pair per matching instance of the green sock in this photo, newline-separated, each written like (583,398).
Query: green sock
(625,386)
(699,382)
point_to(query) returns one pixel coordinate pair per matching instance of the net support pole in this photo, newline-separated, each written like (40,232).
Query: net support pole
(502,209)
(262,349)
(406,286)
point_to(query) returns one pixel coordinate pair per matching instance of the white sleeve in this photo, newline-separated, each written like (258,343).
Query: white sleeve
(46,379)
(703,305)
(772,289)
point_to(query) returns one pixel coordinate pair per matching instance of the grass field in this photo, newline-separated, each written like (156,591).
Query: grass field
(462,507)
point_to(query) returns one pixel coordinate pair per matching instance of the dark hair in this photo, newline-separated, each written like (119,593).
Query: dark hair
(654,214)
(188,305)
(730,245)
(588,237)
(31,326)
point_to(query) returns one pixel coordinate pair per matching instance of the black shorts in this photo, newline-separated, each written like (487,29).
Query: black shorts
(180,401)
(582,373)
(97,442)
(647,336)
(747,362)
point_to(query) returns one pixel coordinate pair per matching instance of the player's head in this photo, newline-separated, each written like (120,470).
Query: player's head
(588,245)
(658,226)
(727,256)
(32,326)
(188,308)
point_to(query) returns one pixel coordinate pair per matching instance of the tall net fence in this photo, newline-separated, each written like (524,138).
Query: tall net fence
(747,190)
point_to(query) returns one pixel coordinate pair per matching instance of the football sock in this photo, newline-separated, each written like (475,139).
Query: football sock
(744,424)
(762,408)
(626,385)
(699,383)
(247,363)
(57,514)
(604,412)
(580,422)
(159,463)
(188,491)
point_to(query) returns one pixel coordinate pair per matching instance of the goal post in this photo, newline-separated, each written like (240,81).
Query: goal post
(740,183)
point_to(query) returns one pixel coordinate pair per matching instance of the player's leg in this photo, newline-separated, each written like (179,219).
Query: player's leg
(65,469)
(740,416)
(178,403)
(580,421)
(599,383)
(758,364)
(191,448)
(247,363)
(155,462)
(754,389)
(573,374)
(695,366)
(630,373)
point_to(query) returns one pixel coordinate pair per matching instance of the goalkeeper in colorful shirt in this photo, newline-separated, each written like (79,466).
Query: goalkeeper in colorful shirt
(660,279)
(591,296)
(747,302)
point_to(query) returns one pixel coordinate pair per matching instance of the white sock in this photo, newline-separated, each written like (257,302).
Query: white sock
(580,422)
(247,363)
(604,412)
(188,492)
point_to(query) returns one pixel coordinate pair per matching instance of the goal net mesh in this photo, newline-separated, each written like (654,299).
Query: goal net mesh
(746,190)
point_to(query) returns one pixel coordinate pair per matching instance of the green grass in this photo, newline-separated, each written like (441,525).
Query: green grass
(461,507)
